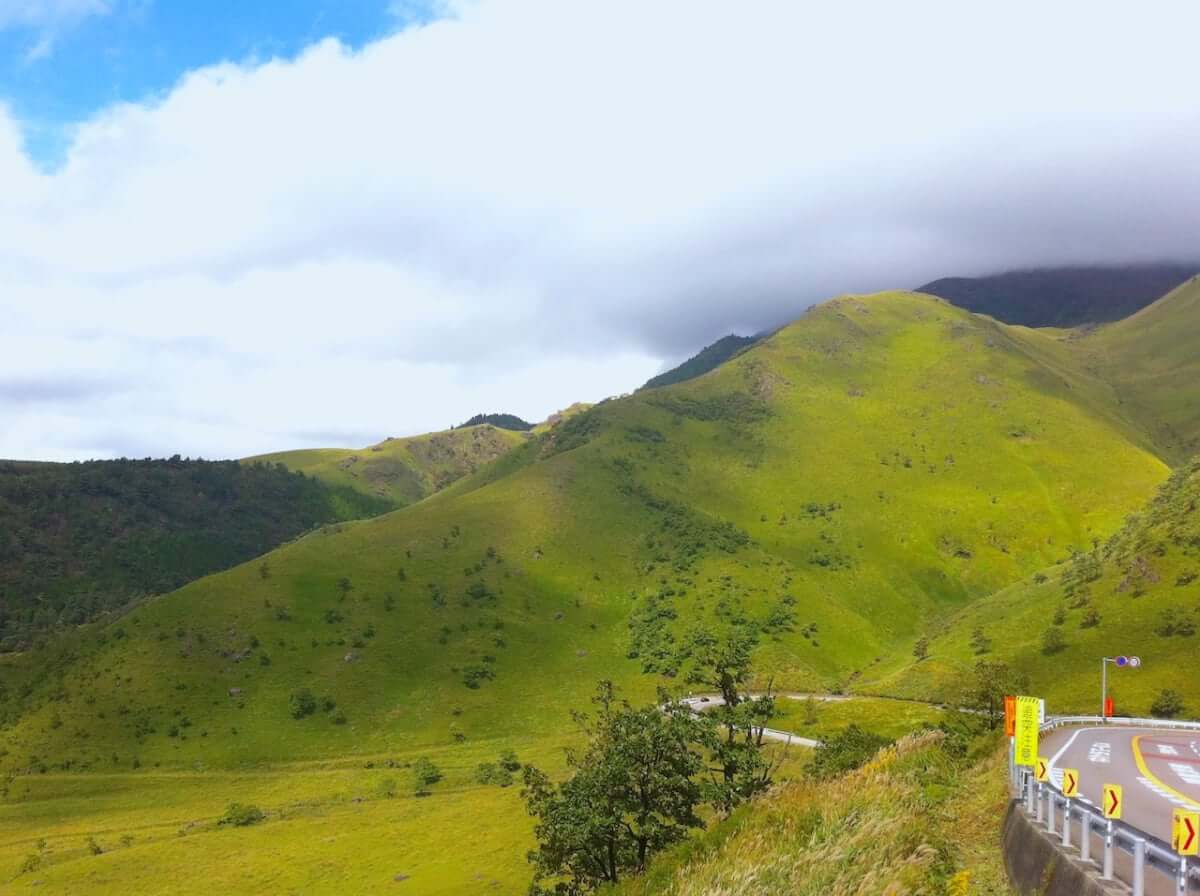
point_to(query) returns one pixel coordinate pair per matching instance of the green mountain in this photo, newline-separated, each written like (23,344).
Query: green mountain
(402,471)
(708,358)
(850,482)
(1063,297)
(78,540)
(501,421)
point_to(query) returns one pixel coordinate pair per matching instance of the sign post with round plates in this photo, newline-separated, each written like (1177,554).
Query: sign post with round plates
(1121,662)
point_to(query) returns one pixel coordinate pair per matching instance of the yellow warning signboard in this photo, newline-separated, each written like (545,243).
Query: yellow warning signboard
(1026,752)
(1070,785)
(1114,801)
(1042,769)
(1185,832)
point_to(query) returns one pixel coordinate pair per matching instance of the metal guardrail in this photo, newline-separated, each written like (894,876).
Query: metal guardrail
(1062,721)
(1043,800)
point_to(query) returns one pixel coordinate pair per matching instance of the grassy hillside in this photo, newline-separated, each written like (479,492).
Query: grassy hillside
(78,540)
(1063,297)
(1152,362)
(916,819)
(847,482)
(1135,593)
(402,471)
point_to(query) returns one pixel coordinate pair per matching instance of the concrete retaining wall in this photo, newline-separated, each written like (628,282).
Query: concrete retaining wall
(1037,865)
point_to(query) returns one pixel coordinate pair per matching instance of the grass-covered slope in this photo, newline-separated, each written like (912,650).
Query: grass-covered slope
(1135,593)
(918,818)
(77,540)
(403,471)
(1152,360)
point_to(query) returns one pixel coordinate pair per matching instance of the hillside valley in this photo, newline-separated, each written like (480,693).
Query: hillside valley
(867,476)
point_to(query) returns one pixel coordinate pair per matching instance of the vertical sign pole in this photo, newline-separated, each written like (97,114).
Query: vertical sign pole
(1103,689)
(1108,853)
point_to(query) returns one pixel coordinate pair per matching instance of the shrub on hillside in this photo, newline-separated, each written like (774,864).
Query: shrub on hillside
(1167,705)
(844,752)
(474,676)
(509,761)
(425,774)
(491,773)
(1174,621)
(239,816)
(302,703)
(1053,641)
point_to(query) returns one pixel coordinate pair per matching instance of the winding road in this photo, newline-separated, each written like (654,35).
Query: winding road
(701,702)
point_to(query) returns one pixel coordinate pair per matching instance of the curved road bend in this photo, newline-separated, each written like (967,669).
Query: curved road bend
(1158,770)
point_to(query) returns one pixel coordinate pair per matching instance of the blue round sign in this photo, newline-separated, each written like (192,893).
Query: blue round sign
(1122,660)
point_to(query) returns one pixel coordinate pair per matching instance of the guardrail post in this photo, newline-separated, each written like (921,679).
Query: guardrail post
(1038,800)
(1139,867)
(1108,852)
(1050,811)
(1085,835)
(1066,831)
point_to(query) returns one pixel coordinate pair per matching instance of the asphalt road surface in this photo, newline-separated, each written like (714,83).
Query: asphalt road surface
(1158,772)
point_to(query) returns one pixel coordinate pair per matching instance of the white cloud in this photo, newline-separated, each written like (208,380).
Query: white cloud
(534,201)
(48,13)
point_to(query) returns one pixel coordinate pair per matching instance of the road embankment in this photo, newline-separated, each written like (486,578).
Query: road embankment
(1035,863)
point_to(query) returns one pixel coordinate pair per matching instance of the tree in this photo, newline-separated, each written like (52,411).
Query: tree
(1167,705)
(425,775)
(990,684)
(980,643)
(344,587)
(733,728)
(921,649)
(632,793)
(810,711)
(1053,641)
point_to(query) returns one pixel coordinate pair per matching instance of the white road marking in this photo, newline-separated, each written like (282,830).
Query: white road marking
(1100,752)
(1185,771)
(1070,740)
(1166,795)
(1167,750)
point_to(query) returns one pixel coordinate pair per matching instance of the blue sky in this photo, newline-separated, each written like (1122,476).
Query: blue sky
(61,60)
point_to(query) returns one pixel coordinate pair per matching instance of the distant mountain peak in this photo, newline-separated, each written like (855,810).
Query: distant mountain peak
(708,358)
(501,421)
(1064,296)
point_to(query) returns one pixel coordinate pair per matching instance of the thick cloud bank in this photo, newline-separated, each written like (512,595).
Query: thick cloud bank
(531,202)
